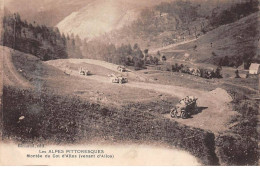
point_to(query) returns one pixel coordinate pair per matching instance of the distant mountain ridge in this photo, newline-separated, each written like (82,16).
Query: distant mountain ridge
(99,17)
(44,12)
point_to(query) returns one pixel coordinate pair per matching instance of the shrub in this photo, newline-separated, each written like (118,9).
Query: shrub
(239,145)
(138,63)
(236,150)
(163,58)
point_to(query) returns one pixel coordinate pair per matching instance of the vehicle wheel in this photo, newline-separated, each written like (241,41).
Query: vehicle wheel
(173,113)
(184,115)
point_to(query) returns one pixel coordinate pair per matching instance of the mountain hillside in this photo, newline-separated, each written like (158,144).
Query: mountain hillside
(228,45)
(101,16)
(176,21)
(226,35)
(44,12)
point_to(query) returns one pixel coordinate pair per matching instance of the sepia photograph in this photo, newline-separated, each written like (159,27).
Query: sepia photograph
(129,82)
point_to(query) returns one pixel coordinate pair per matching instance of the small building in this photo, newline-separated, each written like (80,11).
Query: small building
(254,68)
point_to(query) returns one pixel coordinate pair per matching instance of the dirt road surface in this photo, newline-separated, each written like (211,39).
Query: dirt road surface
(215,109)
(10,73)
(104,64)
(171,46)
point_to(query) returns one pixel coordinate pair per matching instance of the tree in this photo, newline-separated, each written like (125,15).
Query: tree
(145,55)
(138,63)
(138,52)
(158,54)
(195,47)
(136,46)
(163,58)
(218,72)
(78,40)
(68,37)
(237,74)
(146,52)
(31,38)
(129,49)
(225,61)
(247,61)
(155,60)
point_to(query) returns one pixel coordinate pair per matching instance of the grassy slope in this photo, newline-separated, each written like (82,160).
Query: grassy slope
(234,40)
(59,118)
(47,78)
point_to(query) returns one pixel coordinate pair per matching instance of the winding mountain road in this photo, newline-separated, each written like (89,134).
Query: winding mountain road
(215,109)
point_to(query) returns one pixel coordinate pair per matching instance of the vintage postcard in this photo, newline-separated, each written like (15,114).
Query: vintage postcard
(129,82)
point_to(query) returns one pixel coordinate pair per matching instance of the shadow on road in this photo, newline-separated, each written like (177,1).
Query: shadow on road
(200,109)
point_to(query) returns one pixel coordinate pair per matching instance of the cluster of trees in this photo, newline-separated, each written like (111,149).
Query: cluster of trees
(153,60)
(227,61)
(44,42)
(126,55)
(236,62)
(201,72)
(48,43)
(164,18)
